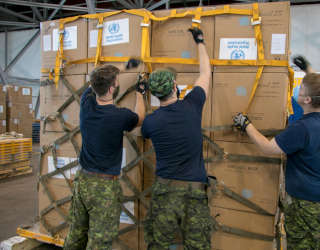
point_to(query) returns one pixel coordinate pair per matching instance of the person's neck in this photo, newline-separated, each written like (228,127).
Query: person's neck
(171,100)
(310,109)
(104,100)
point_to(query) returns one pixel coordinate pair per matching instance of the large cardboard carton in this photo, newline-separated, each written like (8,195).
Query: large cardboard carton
(231,93)
(3,104)
(172,39)
(52,98)
(3,126)
(121,36)
(258,182)
(74,45)
(246,221)
(235,37)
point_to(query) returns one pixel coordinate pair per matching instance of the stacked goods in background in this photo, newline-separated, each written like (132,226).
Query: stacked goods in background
(227,37)
(19,110)
(3,105)
(244,169)
(15,156)
(60,136)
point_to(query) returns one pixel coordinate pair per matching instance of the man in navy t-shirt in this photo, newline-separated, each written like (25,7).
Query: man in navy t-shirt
(179,199)
(301,143)
(96,206)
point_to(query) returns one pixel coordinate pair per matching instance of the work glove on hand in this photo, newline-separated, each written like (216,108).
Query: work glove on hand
(133,63)
(241,121)
(197,35)
(142,85)
(301,62)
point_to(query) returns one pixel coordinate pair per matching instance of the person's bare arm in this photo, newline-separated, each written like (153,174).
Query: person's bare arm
(140,109)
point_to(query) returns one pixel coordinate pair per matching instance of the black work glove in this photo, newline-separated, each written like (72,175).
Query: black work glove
(197,35)
(142,85)
(133,63)
(301,62)
(241,122)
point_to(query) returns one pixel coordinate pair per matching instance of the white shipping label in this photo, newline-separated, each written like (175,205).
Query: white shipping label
(46,43)
(115,32)
(16,88)
(124,218)
(4,123)
(93,38)
(155,101)
(25,91)
(30,106)
(61,162)
(74,170)
(278,44)
(15,121)
(9,104)
(238,49)
(70,38)
(1,108)
(124,158)
(4,89)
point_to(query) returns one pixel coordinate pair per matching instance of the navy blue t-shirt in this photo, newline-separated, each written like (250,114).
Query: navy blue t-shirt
(301,142)
(102,129)
(175,132)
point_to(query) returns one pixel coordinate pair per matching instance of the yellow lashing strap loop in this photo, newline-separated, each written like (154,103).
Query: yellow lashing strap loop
(257,31)
(290,90)
(99,41)
(197,18)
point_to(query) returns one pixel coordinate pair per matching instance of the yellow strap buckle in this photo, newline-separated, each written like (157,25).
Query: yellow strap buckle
(255,22)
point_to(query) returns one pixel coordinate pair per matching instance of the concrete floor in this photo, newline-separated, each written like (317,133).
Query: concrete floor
(18,199)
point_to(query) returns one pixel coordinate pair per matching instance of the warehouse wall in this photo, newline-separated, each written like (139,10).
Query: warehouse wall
(305,40)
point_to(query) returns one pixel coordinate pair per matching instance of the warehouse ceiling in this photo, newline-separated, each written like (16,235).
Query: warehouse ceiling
(26,14)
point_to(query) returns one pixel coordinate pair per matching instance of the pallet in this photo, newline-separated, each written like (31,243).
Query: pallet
(18,171)
(19,243)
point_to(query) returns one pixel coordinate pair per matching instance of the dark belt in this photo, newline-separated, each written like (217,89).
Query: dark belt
(105,176)
(178,183)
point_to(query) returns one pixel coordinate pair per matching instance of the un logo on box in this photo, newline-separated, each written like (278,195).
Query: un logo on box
(114,28)
(237,55)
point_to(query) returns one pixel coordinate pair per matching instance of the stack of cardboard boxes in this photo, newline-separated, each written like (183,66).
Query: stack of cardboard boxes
(226,37)
(3,105)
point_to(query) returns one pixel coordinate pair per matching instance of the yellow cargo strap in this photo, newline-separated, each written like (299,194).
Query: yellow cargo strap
(145,43)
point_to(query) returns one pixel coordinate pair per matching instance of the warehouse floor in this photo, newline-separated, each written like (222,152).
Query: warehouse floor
(18,199)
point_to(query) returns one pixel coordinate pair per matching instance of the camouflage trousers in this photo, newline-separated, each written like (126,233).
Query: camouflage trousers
(94,213)
(302,224)
(175,209)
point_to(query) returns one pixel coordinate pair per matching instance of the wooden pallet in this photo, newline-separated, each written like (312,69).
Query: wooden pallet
(7,173)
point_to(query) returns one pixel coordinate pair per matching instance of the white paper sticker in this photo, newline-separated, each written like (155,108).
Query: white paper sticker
(15,121)
(16,88)
(47,43)
(124,218)
(1,108)
(278,44)
(4,89)
(155,101)
(70,38)
(4,123)
(124,158)
(115,32)
(93,38)
(25,91)
(30,106)
(9,104)
(238,49)
(61,162)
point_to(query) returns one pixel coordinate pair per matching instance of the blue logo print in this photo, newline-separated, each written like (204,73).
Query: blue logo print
(114,28)
(237,55)
(66,35)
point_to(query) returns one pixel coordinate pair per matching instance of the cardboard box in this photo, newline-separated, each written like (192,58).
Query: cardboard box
(231,93)
(121,36)
(74,48)
(172,39)
(258,182)
(3,126)
(52,98)
(3,103)
(235,36)
(246,221)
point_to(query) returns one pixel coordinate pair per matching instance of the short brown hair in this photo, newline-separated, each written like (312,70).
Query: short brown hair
(312,83)
(102,78)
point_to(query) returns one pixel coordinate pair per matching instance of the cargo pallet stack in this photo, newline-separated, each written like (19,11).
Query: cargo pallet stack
(71,48)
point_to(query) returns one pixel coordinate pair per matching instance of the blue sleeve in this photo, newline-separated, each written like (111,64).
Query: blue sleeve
(131,119)
(293,139)
(197,97)
(144,129)
(86,94)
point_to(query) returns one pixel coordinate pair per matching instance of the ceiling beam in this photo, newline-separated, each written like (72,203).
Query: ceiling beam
(20,24)
(51,6)
(13,13)
(158,4)
(3,77)
(91,5)
(53,14)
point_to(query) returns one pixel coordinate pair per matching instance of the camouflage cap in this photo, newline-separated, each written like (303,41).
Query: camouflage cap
(161,82)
